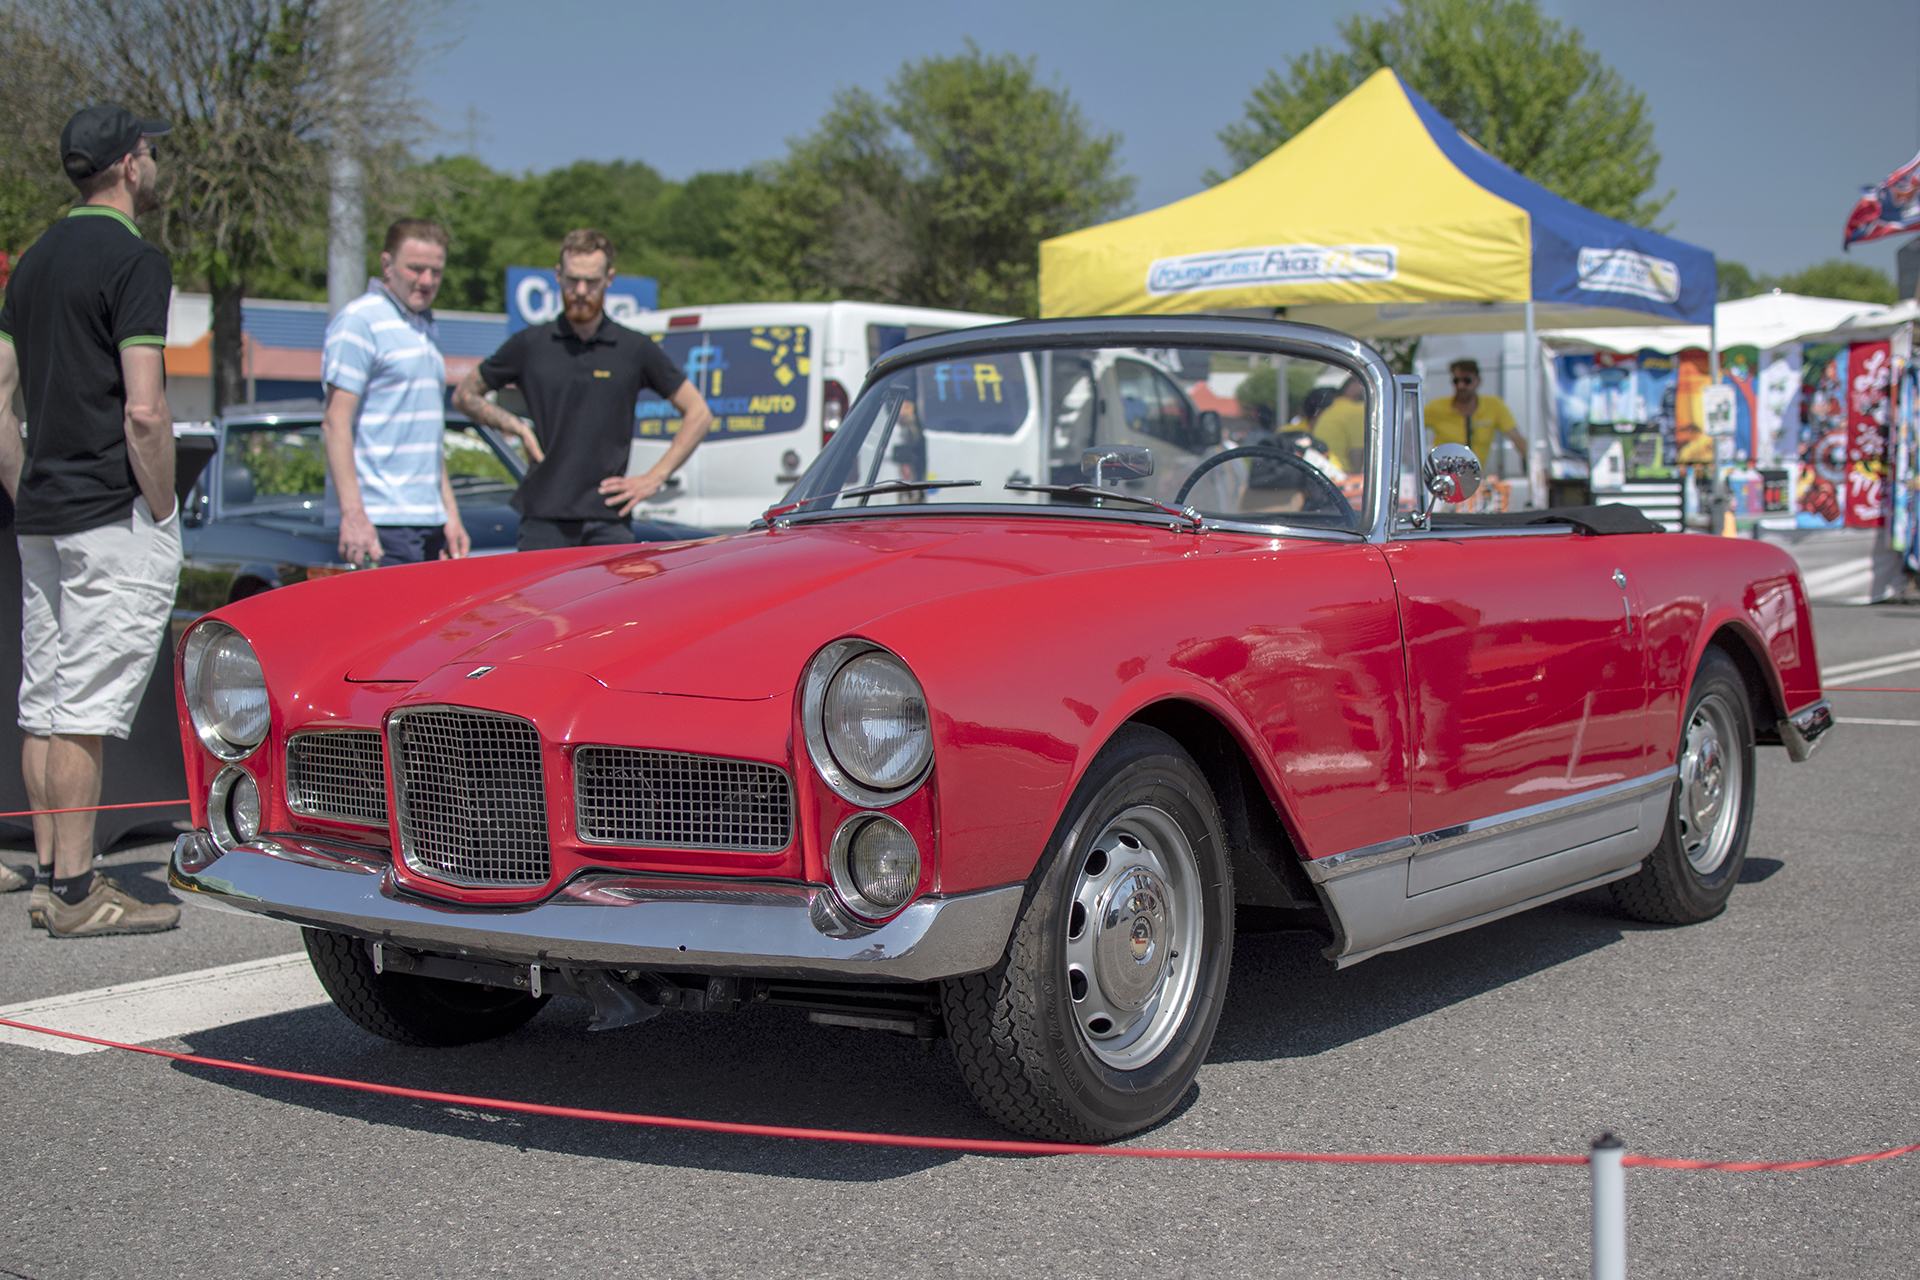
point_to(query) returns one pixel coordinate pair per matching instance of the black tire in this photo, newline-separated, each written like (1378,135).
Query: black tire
(1026,1033)
(1690,876)
(426,1012)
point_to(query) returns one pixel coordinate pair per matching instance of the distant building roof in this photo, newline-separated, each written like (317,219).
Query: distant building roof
(302,326)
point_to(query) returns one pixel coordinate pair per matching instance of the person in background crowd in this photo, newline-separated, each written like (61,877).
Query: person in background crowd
(581,375)
(385,421)
(1472,419)
(85,318)
(1342,425)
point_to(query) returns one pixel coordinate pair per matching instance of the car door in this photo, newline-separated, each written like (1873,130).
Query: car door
(1526,672)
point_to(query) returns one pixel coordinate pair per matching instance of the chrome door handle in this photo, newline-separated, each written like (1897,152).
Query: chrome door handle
(1619,579)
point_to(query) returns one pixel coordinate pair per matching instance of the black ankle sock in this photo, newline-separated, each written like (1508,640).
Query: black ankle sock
(44,874)
(74,889)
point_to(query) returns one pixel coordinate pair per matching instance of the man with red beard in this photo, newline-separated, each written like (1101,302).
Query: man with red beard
(82,334)
(581,376)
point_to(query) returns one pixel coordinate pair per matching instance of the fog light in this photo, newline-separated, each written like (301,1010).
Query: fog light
(876,865)
(233,808)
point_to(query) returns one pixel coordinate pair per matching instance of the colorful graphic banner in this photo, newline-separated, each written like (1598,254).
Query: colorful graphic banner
(1869,424)
(1889,209)
(756,381)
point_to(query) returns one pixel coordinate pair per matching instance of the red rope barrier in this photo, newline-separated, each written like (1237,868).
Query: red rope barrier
(984,1146)
(95,808)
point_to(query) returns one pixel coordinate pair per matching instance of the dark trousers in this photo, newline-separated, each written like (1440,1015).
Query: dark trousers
(549,535)
(410,543)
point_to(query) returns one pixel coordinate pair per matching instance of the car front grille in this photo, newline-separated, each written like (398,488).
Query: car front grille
(667,799)
(338,775)
(472,796)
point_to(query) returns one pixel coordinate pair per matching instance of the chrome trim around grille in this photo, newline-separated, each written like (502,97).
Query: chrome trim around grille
(685,924)
(674,800)
(470,788)
(338,775)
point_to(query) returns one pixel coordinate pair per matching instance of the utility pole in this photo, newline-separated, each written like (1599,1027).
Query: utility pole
(346,200)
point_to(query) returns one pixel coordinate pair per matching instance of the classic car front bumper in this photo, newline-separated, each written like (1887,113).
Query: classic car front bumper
(1801,732)
(608,920)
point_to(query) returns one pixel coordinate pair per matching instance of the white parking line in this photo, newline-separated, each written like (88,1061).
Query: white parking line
(1903,724)
(170,1007)
(1848,582)
(1842,668)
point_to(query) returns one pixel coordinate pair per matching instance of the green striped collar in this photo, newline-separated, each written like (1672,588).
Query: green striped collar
(101,210)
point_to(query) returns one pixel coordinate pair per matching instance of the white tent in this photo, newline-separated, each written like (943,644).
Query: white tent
(1765,321)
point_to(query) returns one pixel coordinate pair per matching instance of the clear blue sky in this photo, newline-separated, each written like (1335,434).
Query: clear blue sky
(1769,114)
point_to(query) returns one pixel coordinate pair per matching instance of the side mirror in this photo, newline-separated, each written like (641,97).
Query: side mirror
(193,512)
(1451,473)
(1208,424)
(1120,462)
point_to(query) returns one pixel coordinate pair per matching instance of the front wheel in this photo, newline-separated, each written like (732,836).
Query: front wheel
(409,1009)
(1095,1023)
(1690,876)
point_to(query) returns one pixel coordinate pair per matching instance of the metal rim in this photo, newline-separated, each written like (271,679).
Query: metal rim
(837,866)
(1133,935)
(1712,784)
(224,836)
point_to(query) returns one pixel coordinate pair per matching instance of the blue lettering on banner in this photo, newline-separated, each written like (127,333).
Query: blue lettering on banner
(1279,264)
(533,297)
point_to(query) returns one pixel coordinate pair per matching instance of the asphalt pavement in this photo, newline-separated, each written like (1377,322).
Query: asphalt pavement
(1784,1029)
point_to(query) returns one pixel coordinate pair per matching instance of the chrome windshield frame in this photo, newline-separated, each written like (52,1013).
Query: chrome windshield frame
(1222,333)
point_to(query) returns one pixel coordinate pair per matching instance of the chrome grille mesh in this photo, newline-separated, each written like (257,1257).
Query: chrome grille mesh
(672,800)
(338,775)
(472,798)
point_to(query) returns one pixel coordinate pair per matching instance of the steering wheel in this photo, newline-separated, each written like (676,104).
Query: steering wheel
(1335,501)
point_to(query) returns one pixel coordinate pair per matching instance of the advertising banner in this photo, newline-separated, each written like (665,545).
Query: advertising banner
(755,380)
(1823,439)
(533,297)
(1869,424)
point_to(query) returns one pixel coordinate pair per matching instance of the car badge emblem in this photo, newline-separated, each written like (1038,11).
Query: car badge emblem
(477,672)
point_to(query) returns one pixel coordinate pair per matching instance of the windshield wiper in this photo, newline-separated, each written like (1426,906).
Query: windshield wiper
(862,491)
(1094,491)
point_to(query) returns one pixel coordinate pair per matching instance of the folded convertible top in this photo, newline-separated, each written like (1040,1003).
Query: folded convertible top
(1612,517)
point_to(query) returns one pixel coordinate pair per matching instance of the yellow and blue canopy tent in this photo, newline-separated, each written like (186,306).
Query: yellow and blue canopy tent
(1381,219)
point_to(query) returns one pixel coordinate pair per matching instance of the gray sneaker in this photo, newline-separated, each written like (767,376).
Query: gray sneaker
(12,881)
(39,902)
(107,908)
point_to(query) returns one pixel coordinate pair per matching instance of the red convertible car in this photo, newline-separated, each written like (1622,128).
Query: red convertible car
(1036,682)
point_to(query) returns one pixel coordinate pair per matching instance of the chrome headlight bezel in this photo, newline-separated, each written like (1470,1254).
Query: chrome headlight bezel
(220,797)
(840,867)
(820,675)
(192,654)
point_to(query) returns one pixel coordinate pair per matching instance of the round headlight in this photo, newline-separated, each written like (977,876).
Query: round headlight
(226,692)
(876,865)
(233,808)
(876,722)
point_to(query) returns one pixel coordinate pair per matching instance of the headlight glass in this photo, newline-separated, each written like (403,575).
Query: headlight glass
(233,808)
(875,865)
(876,722)
(226,691)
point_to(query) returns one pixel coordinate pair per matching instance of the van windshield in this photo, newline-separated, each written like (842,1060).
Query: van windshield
(1238,437)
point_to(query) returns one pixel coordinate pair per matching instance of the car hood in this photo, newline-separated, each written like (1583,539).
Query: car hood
(737,618)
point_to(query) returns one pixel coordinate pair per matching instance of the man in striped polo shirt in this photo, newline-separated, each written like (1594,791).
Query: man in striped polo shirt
(387,485)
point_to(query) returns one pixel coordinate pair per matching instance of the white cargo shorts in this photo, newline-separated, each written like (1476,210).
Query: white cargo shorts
(93,609)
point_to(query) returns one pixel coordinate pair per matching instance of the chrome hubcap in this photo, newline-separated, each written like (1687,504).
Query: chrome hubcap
(1133,937)
(1710,783)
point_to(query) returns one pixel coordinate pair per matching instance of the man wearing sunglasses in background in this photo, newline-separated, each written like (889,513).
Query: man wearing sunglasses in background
(581,375)
(82,336)
(1472,419)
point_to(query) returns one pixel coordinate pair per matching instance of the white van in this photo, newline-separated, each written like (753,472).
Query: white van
(779,377)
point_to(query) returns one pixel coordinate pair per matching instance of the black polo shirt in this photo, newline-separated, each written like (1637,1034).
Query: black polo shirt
(85,291)
(581,395)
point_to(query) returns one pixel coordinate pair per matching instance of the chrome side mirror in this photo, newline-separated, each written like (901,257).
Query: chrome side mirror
(1120,462)
(1451,473)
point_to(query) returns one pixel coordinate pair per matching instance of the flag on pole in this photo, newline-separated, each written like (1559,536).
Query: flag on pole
(1888,209)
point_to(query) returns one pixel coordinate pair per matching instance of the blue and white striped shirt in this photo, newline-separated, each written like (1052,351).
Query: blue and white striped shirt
(390,358)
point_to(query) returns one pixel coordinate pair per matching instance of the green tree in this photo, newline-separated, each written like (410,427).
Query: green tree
(1836,278)
(1735,281)
(1525,88)
(937,195)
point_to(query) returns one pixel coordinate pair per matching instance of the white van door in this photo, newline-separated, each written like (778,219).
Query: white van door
(760,382)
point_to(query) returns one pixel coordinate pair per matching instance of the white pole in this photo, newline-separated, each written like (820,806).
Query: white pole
(346,205)
(1609,1208)
(1529,428)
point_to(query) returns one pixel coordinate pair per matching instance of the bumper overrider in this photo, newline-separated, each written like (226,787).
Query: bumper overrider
(1801,732)
(606,919)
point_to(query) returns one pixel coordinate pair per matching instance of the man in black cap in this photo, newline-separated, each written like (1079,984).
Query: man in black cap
(82,333)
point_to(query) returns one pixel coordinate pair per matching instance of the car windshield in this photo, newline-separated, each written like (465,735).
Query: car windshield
(1239,437)
(282,466)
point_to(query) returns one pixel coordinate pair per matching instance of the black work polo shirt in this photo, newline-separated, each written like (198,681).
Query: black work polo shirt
(84,292)
(581,395)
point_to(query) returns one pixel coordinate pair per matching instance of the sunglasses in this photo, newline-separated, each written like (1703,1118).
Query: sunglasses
(151,151)
(1464,382)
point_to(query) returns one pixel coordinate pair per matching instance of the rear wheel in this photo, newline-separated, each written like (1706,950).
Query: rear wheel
(1096,1022)
(1691,875)
(409,1009)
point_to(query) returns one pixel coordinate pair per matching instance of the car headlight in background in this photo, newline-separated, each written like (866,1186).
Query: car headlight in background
(226,692)
(233,808)
(866,721)
(875,864)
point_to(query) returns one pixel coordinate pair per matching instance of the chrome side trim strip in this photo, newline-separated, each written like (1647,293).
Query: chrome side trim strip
(1540,900)
(686,924)
(1801,732)
(1322,870)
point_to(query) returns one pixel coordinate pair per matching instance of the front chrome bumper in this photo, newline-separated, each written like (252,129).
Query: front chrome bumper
(608,920)
(1801,732)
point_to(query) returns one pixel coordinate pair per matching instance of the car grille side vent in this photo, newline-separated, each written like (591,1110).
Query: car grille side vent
(338,776)
(472,796)
(672,800)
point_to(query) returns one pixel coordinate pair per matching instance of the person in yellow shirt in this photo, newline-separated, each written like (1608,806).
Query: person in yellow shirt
(1342,427)
(1472,419)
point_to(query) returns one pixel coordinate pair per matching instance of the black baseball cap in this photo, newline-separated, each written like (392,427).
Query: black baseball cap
(100,136)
